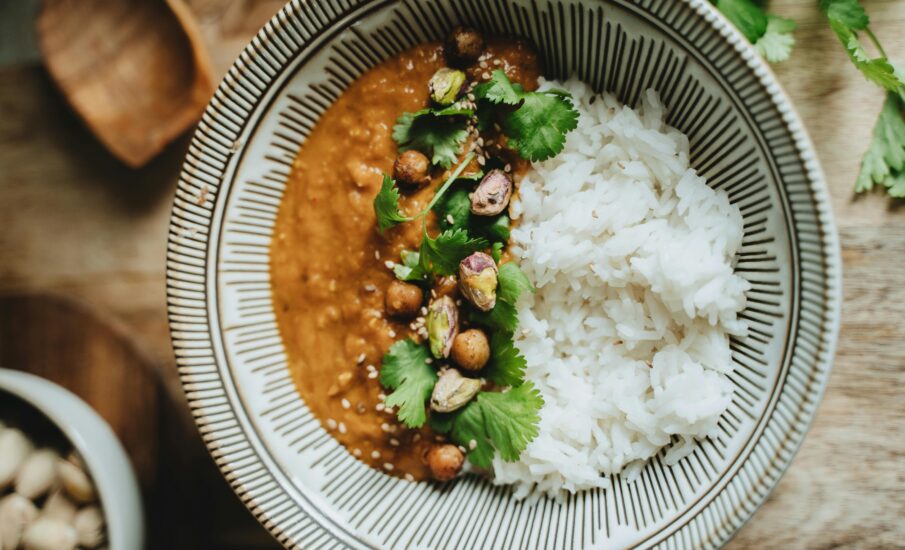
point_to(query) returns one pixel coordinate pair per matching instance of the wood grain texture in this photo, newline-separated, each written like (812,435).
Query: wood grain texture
(79,223)
(136,71)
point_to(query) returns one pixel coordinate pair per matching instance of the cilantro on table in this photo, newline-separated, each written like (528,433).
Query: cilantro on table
(884,162)
(406,370)
(539,122)
(770,34)
(498,421)
(437,134)
(386,205)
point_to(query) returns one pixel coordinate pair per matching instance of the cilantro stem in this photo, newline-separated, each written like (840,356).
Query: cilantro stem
(452,177)
(876,41)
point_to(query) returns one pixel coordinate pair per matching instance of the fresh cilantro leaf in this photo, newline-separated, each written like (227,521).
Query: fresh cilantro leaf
(507,365)
(496,251)
(386,205)
(441,423)
(746,16)
(878,70)
(494,229)
(895,185)
(455,206)
(504,421)
(499,89)
(468,427)
(503,317)
(776,43)
(537,129)
(406,371)
(410,268)
(442,255)
(884,161)
(512,282)
(848,12)
(437,135)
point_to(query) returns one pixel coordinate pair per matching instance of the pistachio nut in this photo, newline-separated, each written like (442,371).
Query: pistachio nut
(445,86)
(453,391)
(492,195)
(442,325)
(478,280)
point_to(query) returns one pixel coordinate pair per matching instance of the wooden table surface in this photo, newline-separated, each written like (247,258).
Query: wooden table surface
(79,225)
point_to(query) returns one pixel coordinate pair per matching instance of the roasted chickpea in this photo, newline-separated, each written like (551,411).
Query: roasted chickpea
(412,168)
(403,299)
(463,46)
(471,350)
(445,461)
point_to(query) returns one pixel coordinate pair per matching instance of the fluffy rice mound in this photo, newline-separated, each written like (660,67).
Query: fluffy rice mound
(627,337)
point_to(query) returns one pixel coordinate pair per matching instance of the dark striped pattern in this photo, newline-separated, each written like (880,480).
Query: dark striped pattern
(306,488)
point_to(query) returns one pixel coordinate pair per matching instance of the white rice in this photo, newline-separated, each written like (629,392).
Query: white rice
(627,336)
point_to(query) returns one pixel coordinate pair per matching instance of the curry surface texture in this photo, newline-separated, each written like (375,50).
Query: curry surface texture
(329,262)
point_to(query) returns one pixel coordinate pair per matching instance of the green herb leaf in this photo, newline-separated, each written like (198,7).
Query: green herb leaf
(746,16)
(436,134)
(441,423)
(848,12)
(442,255)
(499,89)
(776,43)
(878,70)
(537,129)
(406,371)
(512,282)
(884,161)
(504,421)
(455,206)
(386,205)
(410,268)
(507,365)
(494,229)
(496,251)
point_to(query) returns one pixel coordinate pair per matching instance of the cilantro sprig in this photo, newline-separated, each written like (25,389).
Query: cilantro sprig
(406,370)
(436,133)
(770,34)
(498,421)
(538,124)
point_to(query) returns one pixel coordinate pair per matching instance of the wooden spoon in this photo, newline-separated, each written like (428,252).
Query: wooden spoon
(136,71)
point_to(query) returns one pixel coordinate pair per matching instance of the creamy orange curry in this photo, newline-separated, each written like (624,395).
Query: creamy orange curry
(331,267)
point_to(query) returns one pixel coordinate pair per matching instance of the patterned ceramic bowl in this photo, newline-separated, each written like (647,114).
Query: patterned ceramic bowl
(745,138)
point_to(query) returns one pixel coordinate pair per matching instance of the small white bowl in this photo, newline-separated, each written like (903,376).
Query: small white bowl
(99,448)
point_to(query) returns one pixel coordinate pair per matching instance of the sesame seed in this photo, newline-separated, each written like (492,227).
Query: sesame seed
(470,97)
(450,219)
(381,396)
(416,437)
(375,455)
(481,161)
(423,310)
(433,293)
(372,375)
(409,477)
(345,403)
(342,427)
(394,442)
(379,407)
(361,358)
(356,452)
(485,75)
(360,408)
(370,368)
(370,288)
(461,449)
(391,333)
(429,361)
(376,254)
(439,438)
(331,423)
(390,264)
(508,168)
(387,466)
(480,142)
(472,444)
(483,64)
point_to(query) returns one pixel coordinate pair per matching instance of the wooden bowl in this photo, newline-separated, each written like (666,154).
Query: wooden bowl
(135,70)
